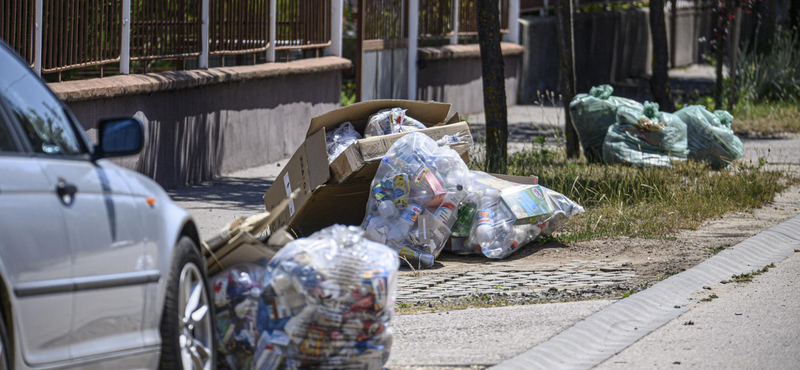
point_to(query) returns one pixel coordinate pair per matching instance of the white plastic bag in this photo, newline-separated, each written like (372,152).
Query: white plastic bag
(511,215)
(328,299)
(339,139)
(415,196)
(391,121)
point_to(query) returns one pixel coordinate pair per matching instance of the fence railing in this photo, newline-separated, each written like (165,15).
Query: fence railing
(82,33)
(17,25)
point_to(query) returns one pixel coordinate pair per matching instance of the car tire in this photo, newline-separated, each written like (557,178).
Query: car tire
(5,346)
(187,336)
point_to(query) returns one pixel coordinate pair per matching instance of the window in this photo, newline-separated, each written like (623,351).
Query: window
(47,126)
(6,145)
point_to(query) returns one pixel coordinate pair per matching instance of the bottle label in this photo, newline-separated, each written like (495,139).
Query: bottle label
(402,190)
(421,173)
(485,217)
(410,214)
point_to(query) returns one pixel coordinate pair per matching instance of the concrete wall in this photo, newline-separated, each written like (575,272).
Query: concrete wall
(203,123)
(452,74)
(610,46)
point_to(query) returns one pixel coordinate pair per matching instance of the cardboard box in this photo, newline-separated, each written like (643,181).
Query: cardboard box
(526,203)
(339,191)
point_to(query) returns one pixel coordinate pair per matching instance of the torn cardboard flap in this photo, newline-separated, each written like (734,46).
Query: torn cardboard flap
(429,113)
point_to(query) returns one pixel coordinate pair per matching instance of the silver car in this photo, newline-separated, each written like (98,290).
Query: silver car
(99,268)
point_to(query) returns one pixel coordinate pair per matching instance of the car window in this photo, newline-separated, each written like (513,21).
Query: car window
(46,124)
(6,145)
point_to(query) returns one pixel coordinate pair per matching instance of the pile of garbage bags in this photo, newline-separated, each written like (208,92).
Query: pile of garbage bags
(710,137)
(423,194)
(645,138)
(322,302)
(592,114)
(619,130)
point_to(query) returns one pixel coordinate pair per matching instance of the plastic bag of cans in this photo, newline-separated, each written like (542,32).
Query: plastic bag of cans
(237,299)
(328,300)
(507,215)
(414,199)
(339,139)
(391,121)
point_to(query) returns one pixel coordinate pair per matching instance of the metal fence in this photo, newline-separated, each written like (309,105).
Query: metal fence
(17,26)
(468,20)
(165,29)
(303,24)
(238,26)
(83,33)
(384,19)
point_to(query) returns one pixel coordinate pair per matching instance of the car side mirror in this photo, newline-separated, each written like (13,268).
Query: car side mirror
(119,137)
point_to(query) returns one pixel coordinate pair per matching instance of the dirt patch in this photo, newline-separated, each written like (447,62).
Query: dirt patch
(650,259)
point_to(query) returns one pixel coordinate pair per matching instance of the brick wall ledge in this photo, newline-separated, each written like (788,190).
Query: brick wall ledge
(109,87)
(465,51)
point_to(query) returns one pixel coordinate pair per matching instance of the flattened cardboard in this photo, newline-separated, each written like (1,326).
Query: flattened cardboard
(370,150)
(306,170)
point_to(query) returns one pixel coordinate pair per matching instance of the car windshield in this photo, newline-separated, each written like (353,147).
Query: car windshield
(47,126)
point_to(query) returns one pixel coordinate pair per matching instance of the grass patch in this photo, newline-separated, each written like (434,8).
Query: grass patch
(748,277)
(650,203)
(766,119)
(709,298)
(715,250)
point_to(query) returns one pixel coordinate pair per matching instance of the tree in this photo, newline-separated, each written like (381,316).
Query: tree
(729,13)
(659,82)
(494,84)
(567,71)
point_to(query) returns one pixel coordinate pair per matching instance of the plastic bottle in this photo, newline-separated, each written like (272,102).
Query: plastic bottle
(447,210)
(466,213)
(485,231)
(416,258)
(403,225)
(387,209)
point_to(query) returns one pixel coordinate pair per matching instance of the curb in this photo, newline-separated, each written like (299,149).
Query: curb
(614,328)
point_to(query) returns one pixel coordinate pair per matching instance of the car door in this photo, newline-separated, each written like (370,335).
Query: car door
(101,220)
(34,251)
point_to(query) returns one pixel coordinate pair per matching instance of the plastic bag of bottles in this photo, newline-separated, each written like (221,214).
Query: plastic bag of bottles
(391,121)
(645,138)
(499,229)
(339,139)
(414,198)
(328,300)
(709,135)
(592,114)
(237,297)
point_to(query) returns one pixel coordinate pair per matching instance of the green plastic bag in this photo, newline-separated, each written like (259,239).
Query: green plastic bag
(645,138)
(592,114)
(710,137)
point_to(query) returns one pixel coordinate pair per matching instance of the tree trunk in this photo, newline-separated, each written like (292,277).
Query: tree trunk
(719,56)
(736,26)
(659,82)
(494,84)
(767,14)
(794,15)
(567,71)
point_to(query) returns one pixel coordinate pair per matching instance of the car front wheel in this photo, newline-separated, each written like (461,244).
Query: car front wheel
(187,332)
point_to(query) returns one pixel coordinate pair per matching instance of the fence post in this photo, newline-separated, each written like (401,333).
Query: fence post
(454,36)
(37,41)
(125,50)
(337,14)
(543,10)
(273,6)
(413,29)
(203,62)
(513,22)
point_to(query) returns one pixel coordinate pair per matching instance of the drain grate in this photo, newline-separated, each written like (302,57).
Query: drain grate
(414,288)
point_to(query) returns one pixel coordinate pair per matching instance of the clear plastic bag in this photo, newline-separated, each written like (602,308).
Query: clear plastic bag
(498,230)
(645,138)
(339,139)
(415,196)
(592,114)
(328,301)
(709,135)
(391,121)
(237,297)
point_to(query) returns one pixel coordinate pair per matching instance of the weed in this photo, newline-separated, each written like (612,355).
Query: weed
(797,250)
(690,322)
(748,277)
(715,250)
(709,298)
(627,294)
